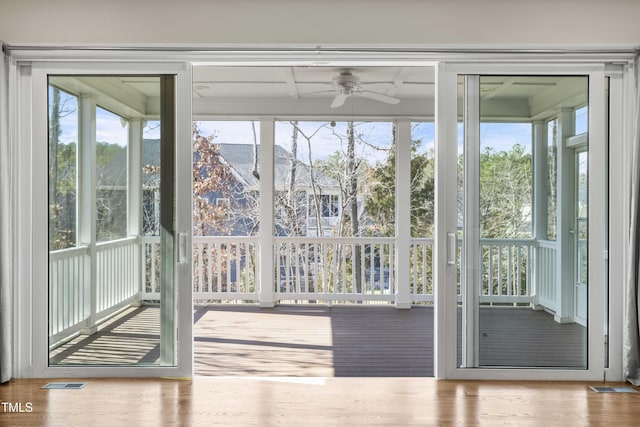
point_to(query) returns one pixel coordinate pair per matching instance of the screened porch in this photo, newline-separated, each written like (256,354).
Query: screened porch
(274,226)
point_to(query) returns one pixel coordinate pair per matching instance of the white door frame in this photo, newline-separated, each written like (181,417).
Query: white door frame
(446,130)
(32,353)
(446,214)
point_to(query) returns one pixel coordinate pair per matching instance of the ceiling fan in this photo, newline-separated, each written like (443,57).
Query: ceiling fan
(347,84)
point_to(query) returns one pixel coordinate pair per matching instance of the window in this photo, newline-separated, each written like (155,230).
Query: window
(330,205)
(581,120)
(112,140)
(506,180)
(63,165)
(222,202)
(347,172)
(422,179)
(151,178)
(226,178)
(552,178)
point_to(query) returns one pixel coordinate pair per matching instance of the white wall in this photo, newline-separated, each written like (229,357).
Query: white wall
(436,23)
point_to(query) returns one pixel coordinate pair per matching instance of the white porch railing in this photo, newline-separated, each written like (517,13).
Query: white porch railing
(69,298)
(117,267)
(304,269)
(545,275)
(422,266)
(506,271)
(224,268)
(330,269)
(74,304)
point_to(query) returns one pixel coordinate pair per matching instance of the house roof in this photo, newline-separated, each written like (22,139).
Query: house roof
(239,157)
(114,173)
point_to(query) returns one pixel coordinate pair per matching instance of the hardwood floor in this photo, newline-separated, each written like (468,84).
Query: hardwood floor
(253,401)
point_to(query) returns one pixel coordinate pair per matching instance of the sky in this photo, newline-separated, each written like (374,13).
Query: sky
(499,136)
(109,127)
(323,140)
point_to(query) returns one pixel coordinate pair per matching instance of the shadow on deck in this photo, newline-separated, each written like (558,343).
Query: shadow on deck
(321,341)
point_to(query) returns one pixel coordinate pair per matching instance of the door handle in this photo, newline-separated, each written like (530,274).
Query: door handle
(182,247)
(452,243)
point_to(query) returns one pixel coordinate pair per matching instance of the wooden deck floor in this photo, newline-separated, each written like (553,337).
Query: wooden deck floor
(314,341)
(321,341)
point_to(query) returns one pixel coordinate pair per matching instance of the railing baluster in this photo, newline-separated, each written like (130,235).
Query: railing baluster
(490,275)
(341,257)
(519,270)
(500,270)
(510,270)
(219,254)
(296,260)
(414,260)
(363,261)
(392,274)
(228,266)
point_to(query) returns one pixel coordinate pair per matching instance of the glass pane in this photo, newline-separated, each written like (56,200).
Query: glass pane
(506,181)
(106,260)
(460,328)
(552,178)
(112,140)
(335,179)
(422,179)
(582,223)
(530,295)
(422,207)
(581,120)
(151,178)
(226,178)
(63,166)
(226,192)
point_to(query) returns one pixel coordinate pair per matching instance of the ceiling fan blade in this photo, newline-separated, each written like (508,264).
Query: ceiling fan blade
(338,101)
(318,92)
(378,97)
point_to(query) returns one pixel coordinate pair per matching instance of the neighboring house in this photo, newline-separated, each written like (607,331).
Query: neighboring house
(242,192)
(240,159)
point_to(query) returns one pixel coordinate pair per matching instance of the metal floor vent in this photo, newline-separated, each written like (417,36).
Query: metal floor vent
(613,389)
(66,386)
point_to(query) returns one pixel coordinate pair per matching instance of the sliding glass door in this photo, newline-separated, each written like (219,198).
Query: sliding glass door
(117,230)
(525,292)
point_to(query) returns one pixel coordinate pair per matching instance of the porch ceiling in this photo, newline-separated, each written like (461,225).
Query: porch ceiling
(309,91)
(236,92)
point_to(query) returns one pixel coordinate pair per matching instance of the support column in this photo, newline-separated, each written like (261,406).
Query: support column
(540,201)
(134,196)
(403,214)
(134,169)
(266,293)
(86,203)
(564,283)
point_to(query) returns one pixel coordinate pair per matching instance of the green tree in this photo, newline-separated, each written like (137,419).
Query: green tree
(380,200)
(62,172)
(505,193)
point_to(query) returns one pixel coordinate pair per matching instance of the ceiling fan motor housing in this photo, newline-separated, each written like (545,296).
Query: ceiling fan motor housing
(346,82)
